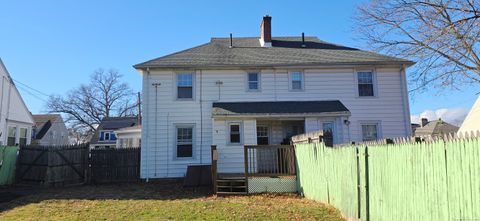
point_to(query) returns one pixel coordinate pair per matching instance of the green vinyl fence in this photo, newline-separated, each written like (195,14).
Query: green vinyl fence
(435,180)
(8,160)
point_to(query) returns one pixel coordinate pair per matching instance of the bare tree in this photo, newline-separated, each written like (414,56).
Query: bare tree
(87,105)
(442,36)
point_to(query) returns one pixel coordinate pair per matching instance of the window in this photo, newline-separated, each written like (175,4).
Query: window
(253,81)
(12,133)
(262,135)
(23,136)
(328,134)
(184,142)
(185,86)
(369,132)
(296,79)
(235,133)
(107,136)
(365,84)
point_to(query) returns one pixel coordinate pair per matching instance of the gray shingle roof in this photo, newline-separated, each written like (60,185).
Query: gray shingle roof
(436,127)
(278,107)
(285,51)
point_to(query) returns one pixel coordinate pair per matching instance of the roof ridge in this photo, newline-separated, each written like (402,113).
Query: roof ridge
(139,65)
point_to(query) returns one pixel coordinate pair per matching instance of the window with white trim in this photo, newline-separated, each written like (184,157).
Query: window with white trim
(185,86)
(365,84)
(12,134)
(328,133)
(106,136)
(262,135)
(184,141)
(369,132)
(253,81)
(234,133)
(296,81)
(23,136)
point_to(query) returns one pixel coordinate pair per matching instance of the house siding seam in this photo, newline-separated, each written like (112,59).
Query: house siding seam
(160,116)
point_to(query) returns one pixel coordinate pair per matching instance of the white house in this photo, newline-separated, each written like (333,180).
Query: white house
(232,92)
(106,134)
(49,130)
(472,121)
(129,136)
(15,119)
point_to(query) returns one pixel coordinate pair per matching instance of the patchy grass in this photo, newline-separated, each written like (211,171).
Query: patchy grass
(160,201)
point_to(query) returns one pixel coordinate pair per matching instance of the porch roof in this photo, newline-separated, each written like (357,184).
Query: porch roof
(269,108)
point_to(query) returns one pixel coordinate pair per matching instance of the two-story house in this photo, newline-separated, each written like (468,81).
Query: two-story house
(15,119)
(232,92)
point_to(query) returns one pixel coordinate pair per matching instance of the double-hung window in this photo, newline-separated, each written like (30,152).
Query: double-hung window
(235,134)
(369,132)
(184,141)
(365,84)
(296,81)
(12,133)
(253,81)
(23,136)
(185,86)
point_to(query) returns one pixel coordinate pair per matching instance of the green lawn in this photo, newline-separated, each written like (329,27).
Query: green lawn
(160,201)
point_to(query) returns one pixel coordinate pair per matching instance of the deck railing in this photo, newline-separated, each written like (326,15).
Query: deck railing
(269,160)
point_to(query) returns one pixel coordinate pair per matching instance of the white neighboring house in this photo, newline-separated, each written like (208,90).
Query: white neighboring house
(129,136)
(262,90)
(15,119)
(49,130)
(105,136)
(472,121)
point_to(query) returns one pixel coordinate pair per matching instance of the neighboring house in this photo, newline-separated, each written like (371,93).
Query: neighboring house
(105,136)
(129,136)
(49,130)
(15,119)
(263,90)
(434,128)
(472,121)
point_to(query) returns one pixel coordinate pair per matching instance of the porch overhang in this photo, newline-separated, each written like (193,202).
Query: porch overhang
(279,109)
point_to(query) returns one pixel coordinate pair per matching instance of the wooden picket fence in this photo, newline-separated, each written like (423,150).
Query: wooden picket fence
(76,164)
(429,178)
(114,165)
(52,166)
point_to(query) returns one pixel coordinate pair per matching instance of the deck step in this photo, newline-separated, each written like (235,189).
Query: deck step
(231,193)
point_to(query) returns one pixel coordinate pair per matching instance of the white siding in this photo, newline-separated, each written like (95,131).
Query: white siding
(13,111)
(161,111)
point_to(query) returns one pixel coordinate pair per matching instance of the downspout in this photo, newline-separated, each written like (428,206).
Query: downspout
(275,83)
(147,125)
(201,120)
(406,105)
(1,110)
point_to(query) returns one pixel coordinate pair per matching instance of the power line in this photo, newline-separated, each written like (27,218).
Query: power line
(25,85)
(34,95)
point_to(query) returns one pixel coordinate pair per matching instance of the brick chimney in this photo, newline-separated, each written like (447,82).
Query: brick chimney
(424,122)
(266,32)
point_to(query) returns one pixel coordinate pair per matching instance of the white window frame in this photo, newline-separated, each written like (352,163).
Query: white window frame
(259,81)
(16,135)
(374,82)
(20,134)
(302,84)
(333,129)
(377,123)
(175,148)
(240,126)
(175,86)
(268,133)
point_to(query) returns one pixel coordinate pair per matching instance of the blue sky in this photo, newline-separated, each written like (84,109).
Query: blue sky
(53,46)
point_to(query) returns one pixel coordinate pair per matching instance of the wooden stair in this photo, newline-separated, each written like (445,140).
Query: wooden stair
(231,186)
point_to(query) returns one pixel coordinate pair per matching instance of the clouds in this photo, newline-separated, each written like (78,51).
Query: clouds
(454,116)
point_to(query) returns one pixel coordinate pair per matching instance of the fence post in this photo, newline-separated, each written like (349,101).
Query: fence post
(367,187)
(214,156)
(359,207)
(246,166)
